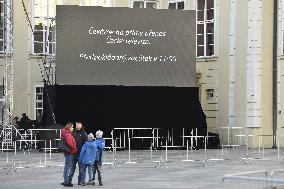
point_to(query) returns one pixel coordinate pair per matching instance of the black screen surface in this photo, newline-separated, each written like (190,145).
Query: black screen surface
(129,107)
(123,46)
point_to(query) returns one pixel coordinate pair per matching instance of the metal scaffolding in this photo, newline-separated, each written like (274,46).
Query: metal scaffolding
(8,130)
(7,127)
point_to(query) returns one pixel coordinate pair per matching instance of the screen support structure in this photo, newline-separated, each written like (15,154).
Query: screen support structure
(49,67)
(48,61)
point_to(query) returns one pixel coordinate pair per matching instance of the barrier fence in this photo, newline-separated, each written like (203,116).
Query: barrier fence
(253,180)
(156,152)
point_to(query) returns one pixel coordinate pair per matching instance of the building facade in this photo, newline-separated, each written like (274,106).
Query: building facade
(234,60)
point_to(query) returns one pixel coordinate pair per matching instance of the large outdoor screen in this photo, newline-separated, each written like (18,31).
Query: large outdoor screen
(124,46)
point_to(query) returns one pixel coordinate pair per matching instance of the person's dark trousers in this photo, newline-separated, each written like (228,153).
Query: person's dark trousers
(98,168)
(75,161)
(67,166)
(83,172)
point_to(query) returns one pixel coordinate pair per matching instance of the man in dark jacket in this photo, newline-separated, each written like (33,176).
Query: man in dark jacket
(24,122)
(80,137)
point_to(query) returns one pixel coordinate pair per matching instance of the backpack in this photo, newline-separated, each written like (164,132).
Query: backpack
(62,146)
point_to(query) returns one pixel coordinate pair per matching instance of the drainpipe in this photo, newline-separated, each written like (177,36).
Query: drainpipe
(274,73)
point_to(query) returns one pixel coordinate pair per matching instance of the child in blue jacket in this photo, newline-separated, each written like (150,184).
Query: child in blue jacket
(87,158)
(100,142)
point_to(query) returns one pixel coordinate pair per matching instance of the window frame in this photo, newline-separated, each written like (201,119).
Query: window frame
(210,92)
(145,3)
(36,101)
(204,23)
(45,32)
(177,1)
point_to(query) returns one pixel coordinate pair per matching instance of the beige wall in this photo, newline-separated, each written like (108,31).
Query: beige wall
(266,79)
(21,58)
(241,51)
(217,110)
(120,3)
(219,68)
(214,71)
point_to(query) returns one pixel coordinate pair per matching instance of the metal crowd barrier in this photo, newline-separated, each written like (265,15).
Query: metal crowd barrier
(252,180)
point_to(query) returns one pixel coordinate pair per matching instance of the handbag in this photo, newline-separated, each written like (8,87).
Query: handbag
(62,146)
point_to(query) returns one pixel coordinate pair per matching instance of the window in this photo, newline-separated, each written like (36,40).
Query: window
(209,94)
(43,38)
(138,4)
(152,4)
(38,102)
(205,28)
(176,4)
